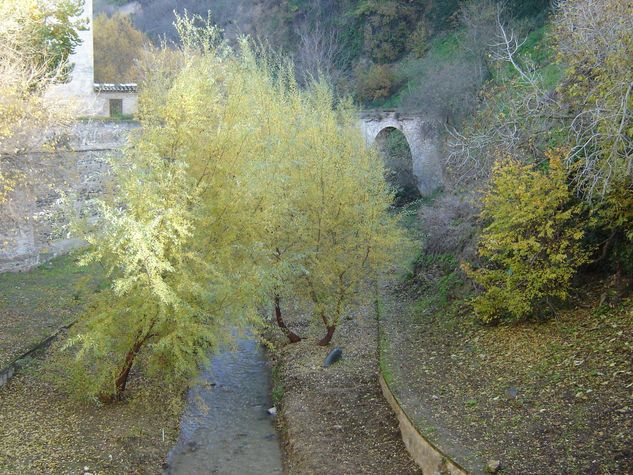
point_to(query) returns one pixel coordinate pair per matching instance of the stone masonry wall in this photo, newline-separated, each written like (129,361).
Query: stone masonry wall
(424,135)
(29,219)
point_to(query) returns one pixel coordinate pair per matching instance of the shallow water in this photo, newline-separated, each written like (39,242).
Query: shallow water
(235,435)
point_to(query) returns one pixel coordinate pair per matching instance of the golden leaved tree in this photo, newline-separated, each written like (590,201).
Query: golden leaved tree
(238,189)
(330,228)
(532,242)
(176,235)
(118,47)
(345,231)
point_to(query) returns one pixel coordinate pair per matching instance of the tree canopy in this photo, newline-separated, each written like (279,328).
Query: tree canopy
(118,47)
(239,187)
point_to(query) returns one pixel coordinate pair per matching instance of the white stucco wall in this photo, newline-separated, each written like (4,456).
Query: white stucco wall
(102,103)
(80,90)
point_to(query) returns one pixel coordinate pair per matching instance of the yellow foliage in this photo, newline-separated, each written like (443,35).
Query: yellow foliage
(615,215)
(329,225)
(239,184)
(118,46)
(531,244)
(375,82)
(32,58)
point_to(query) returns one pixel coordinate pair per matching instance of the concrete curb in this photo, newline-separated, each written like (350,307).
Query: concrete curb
(428,457)
(12,368)
(425,454)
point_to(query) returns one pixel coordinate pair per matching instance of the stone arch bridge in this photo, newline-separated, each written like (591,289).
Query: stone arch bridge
(424,136)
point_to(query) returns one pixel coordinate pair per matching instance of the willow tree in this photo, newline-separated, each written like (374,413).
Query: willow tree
(239,189)
(345,230)
(328,229)
(323,197)
(176,235)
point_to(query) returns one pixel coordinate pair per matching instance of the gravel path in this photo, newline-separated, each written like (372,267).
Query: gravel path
(335,419)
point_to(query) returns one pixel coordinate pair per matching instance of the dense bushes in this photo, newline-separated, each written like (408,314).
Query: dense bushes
(375,83)
(615,219)
(571,92)
(531,245)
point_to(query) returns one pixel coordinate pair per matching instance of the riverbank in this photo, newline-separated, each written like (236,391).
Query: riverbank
(44,429)
(332,420)
(36,303)
(335,420)
(539,397)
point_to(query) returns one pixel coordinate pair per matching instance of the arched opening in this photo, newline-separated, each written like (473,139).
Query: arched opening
(392,145)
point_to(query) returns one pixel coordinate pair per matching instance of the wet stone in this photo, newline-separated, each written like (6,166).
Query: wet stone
(493,466)
(333,356)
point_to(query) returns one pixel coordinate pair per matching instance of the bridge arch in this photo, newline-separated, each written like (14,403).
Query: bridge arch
(395,150)
(423,135)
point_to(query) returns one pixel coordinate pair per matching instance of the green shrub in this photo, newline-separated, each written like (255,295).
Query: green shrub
(418,41)
(531,245)
(387,25)
(375,83)
(615,216)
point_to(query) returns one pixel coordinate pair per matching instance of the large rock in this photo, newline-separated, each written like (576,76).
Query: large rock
(333,356)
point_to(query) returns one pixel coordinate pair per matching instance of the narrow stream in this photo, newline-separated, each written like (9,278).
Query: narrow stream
(234,435)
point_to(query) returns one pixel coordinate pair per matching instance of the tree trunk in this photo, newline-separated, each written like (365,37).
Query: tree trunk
(328,336)
(121,380)
(293,337)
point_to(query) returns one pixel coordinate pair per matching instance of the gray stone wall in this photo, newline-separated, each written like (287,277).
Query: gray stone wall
(424,135)
(30,222)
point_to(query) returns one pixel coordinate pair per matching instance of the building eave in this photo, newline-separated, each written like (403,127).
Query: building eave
(118,87)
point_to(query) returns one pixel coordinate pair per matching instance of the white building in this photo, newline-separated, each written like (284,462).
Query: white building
(93,99)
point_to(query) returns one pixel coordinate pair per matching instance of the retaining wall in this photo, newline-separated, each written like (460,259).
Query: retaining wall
(30,221)
(7,372)
(429,458)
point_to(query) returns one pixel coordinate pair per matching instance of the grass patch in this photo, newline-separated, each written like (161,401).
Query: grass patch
(383,344)
(410,71)
(524,393)
(36,303)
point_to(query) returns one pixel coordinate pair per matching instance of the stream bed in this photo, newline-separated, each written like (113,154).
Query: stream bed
(226,429)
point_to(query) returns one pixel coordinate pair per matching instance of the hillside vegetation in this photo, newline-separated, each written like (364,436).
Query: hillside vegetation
(518,305)
(371,49)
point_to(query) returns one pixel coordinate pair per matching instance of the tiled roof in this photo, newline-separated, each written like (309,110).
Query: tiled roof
(109,87)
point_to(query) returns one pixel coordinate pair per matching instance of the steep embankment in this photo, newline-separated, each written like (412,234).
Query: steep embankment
(540,396)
